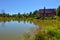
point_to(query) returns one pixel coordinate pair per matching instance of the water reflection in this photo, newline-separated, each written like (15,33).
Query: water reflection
(14,30)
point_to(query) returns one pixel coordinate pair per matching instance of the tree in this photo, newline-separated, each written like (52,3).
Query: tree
(19,15)
(30,14)
(58,11)
(14,15)
(36,14)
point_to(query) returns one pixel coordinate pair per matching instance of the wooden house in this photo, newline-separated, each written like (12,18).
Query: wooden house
(47,12)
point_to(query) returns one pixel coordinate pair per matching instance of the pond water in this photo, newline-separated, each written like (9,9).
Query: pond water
(14,30)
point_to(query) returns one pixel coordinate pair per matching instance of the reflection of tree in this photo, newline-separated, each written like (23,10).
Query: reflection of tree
(3,24)
(24,21)
(30,22)
(18,21)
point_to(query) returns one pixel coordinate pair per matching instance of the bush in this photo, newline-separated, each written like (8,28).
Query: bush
(53,33)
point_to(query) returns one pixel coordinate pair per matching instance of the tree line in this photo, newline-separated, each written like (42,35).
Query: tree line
(34,14)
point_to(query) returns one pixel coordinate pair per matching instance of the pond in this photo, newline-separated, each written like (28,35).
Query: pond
(26,29)
(14,30)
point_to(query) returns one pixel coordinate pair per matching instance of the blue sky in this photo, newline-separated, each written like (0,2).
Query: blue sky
(15,6)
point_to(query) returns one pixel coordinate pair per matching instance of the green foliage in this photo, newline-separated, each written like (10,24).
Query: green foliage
(39,37)
(58,11)
(36,14)
(53,32)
